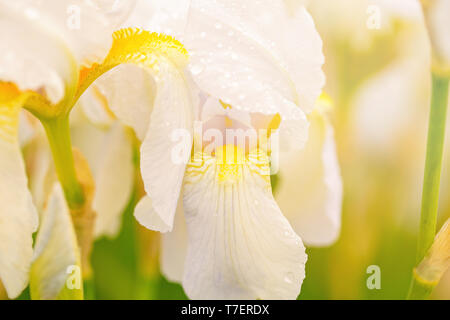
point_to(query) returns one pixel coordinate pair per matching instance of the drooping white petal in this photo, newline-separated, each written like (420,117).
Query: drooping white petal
(114,181)
(148,217)
(94,106)
(18,217)
(41,174)
(56,248)
(163,60)
(27,127)
(174,248)
(110,156)
(87,137)
(130,93)
(309,189)
(166,150)
(240,244)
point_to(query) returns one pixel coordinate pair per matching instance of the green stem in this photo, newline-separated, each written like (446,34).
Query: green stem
(58,133)
(147,287)
(420,289)
(89,289)
(431,183)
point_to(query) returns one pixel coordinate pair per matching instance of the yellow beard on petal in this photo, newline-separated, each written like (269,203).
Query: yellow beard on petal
(230,163)
(139,47)
(11,99)
(229,159)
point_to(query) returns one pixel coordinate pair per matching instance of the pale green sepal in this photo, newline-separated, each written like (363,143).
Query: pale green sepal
(55,271)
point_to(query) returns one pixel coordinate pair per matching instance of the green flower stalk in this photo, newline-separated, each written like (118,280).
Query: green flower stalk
(430,270)
(431,185)
(433,165)
(58,134)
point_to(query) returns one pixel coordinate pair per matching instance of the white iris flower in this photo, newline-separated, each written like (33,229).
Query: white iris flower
(254,65)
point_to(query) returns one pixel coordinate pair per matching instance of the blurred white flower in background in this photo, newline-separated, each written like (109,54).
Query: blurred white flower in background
(379,79)
(436,16)
(309,185)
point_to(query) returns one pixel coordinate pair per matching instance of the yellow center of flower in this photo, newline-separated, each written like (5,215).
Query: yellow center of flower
(229,159)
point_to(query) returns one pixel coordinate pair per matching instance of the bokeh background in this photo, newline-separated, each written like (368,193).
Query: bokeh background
(377,68)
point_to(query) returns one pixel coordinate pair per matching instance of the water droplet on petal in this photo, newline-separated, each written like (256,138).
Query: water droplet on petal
(289,278)
(196,69)
(32,14)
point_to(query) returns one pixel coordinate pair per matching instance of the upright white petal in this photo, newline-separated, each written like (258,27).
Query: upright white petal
(85,26)
(255,55)
(32,55)
(56,248)
(213,108)
(260,56)
(309,190)
(162,16)
(240,244)
(166,150)
(294,4)
(437,17)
